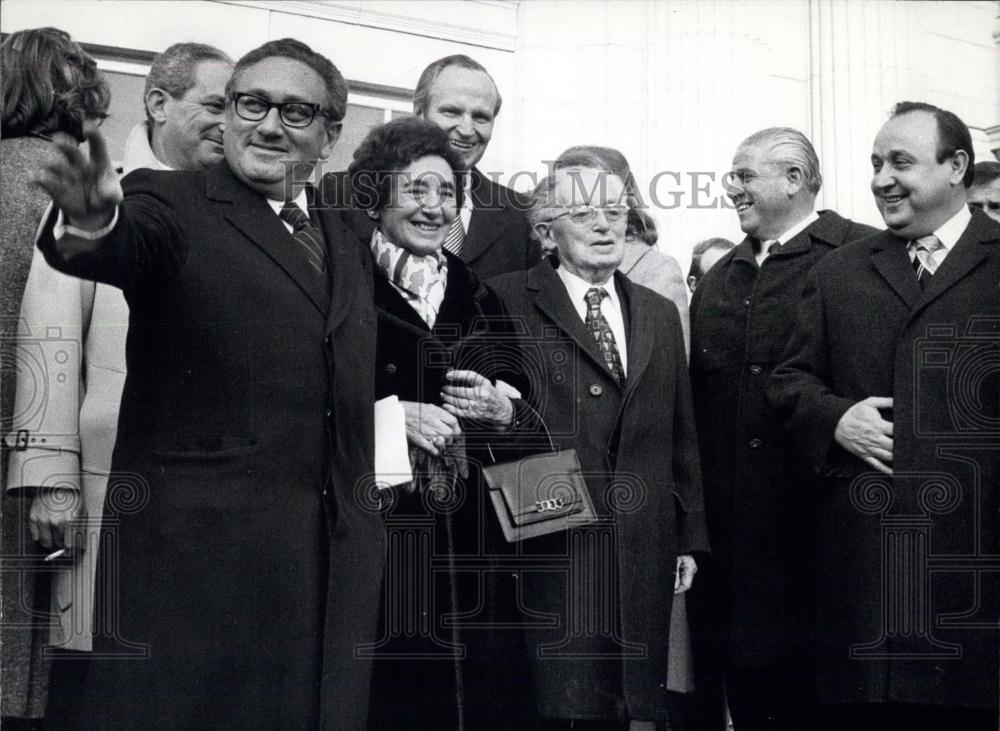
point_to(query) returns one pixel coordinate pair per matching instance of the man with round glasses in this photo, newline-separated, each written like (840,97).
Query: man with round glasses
(613,386)
(246,564)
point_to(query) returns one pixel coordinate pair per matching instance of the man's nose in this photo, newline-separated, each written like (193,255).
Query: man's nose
(271,123)
(882,178)
(465,126)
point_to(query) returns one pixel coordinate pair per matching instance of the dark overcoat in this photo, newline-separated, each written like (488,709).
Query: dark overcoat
(748,604)
(499,237)
(442,654)
(598,601)
(906,571)
(242,556)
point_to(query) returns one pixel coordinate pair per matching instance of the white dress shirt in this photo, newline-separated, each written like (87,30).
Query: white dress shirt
(611,307)
(765,246)
(948,234)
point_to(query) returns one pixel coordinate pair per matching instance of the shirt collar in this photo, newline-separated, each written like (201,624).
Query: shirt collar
(301,200)
(577,286)
(797,228)
(951,231)
(138,152)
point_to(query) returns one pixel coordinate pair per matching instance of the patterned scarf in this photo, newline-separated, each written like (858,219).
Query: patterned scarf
(420,279)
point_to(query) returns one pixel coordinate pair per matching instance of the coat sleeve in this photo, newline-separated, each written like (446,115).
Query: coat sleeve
(50,352)
(145,245)
(799,387)
(691,527)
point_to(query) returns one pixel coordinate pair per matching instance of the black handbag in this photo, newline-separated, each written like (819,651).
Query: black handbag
(541,494)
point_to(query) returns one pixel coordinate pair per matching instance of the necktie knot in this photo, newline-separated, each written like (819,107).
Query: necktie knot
(924,262)
(293,215)
(595,295)
(307,235)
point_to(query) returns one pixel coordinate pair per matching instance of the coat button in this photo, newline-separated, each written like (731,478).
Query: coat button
(596,389)
(329,340)
(390,368)
(329,413)
(755,443)
(747,301)
(756,369)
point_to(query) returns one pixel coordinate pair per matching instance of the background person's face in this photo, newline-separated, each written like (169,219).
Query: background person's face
(421,206)
(262,154)
(987,198)
(461,102)
(192,131)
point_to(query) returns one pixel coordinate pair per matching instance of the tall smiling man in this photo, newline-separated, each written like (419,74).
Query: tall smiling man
(247,571)
(890,387)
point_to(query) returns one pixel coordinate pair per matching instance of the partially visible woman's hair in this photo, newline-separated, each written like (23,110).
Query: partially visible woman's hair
(640,224)
(50,85)
(389,148)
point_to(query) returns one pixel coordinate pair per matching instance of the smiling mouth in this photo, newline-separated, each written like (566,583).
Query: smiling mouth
(463,146)
(426,227)
(892,199)
(743,206)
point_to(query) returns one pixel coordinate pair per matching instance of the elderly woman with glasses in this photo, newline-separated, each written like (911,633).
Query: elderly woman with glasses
(441,349)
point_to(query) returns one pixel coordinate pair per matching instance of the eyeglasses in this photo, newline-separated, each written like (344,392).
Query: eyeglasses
(253,108)
(586,215)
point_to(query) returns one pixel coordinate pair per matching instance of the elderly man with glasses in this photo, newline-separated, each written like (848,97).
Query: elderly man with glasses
(241,568)
(612,383)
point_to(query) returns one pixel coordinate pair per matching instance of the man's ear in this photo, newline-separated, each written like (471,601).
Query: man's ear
(795,180)
(333,130)
(692,281)
(156,104)
(959,165)
(373,215)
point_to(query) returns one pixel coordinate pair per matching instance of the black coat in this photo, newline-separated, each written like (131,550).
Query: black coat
(442,653)
(245,555)
(499,237)
(748,603)
(906,572)
(598,602)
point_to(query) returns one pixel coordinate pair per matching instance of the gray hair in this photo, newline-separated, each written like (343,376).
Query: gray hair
(175,69)
(790,148)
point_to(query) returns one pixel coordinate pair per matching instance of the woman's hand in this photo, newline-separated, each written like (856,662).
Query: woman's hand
(53,512)
(469,395)
(430,427)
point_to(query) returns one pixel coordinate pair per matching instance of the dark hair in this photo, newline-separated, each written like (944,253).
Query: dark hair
(175,70)
(640,224)
(421,97)
(50,84)
(700,250)
(953,135)
(986,172)
(336,87)
(389,148)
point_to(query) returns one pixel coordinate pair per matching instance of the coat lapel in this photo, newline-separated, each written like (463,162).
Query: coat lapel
(972,248)
(890,260)
(488,220)
(255,219)
(551,298)
(640,337)
(343,249)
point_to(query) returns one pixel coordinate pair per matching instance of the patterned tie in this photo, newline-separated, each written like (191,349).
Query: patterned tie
(599,328)
(924,263)
(307,235)
(456,235)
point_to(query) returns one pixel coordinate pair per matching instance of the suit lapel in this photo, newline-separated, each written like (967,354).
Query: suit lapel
(488,220)
(342,250)
(255,219)
(551,298)
(890,260)
(639,347)
(969,251)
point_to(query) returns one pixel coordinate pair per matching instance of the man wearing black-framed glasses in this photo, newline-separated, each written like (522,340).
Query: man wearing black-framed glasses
(243,559)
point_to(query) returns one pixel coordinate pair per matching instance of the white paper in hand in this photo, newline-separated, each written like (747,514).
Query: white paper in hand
(392,455)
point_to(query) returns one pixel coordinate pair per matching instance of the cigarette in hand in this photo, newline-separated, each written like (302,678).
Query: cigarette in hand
(55,554)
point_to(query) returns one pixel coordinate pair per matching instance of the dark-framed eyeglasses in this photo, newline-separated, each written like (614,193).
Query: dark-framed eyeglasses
(254,108)
(586,215)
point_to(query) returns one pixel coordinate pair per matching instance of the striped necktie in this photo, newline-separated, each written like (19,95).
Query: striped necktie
(601,330)
(456,235)
(307,235)
(924,263)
